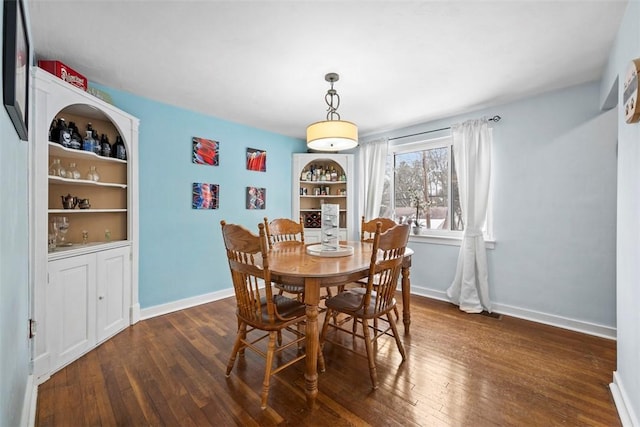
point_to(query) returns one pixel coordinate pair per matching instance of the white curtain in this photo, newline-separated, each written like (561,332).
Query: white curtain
(372,164)
(472,154)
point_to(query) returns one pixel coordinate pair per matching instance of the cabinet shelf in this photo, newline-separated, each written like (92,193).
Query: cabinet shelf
(84,211)
(75,249)
(323,182)
(56,180)
(316,210)
(329,196)
(60,151)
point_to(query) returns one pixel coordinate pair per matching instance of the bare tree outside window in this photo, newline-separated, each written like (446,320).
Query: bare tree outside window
(421,188)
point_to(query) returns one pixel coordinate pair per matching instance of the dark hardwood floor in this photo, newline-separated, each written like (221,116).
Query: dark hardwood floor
(461,370)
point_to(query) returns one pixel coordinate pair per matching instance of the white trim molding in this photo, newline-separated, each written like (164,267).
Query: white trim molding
(532,315)
(159,310)
(625,411)
(28,415)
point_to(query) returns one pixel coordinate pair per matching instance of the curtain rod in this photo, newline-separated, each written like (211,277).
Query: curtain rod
(492,119)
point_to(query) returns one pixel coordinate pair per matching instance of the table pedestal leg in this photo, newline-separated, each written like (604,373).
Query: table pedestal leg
(312,298)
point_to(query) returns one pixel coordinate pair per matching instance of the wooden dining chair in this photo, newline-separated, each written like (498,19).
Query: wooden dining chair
(260,312)
(377,301)
(368,228)
(285,232)
(367,231)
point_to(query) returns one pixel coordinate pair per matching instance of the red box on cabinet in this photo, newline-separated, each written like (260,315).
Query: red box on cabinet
(65,73)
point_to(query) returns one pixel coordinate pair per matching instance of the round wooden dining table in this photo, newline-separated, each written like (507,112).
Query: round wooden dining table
(292,265)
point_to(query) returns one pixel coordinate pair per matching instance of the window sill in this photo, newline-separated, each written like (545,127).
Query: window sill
(448,240)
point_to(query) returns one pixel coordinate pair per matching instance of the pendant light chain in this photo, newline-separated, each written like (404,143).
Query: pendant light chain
(331,97)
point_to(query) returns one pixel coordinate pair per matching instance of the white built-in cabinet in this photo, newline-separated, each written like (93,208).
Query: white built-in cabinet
(85,293)
(311,191)
(88,299)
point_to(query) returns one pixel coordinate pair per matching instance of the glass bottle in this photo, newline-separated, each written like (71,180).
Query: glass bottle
(56,168)
(76,139)
(73,171)
(105,146)
(64,135)
(92,175)
(118,149)
(88,142)
(97,146)
(54,131)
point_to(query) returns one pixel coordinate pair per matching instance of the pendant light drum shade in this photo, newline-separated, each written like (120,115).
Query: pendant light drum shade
(332,135)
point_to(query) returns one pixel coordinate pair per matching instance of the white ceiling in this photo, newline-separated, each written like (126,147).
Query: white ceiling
(262,63)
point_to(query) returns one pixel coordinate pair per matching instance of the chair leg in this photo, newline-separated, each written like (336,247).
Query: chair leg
(323,335)
(335,313)
(394,328)
(321,365)
(372,363)
(325,327)
(271,349)
(395,310)
(242,332)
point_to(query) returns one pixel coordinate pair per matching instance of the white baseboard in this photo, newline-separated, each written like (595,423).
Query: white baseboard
(159,310)
(521,313)
(134,314)
(28,415)
(532,315)
(623,403)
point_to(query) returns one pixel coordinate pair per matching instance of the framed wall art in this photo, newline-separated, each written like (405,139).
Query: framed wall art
(205,196)
(16,62)
(256,198)
(256,160)
(205,151)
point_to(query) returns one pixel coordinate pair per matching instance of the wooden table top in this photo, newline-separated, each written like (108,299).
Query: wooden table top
(296,262)
(292,264)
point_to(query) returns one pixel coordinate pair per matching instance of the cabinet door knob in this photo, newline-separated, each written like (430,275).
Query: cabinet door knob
(101,297)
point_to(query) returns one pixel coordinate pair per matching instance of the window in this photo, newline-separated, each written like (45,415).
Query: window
(421,187)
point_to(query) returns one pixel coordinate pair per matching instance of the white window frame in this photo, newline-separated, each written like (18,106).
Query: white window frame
(442,237)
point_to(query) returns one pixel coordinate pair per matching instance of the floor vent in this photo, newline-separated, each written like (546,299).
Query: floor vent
(493,315)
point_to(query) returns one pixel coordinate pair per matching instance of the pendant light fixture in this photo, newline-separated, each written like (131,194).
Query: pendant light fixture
(332,134)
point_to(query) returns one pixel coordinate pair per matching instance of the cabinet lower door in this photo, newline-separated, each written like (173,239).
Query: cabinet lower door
(114,291)
(71,312)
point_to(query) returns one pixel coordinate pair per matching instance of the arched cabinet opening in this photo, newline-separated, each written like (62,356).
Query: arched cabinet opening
(320,179)
(87,178)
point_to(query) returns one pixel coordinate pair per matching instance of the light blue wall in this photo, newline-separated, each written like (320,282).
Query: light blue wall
(554,177)
(627,377)
(14,273)
(181,252)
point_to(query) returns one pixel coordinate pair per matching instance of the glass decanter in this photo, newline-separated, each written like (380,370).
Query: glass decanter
(93,175)
(56,169)
(73,171)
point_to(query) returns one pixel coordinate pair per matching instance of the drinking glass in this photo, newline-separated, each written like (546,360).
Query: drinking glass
(62,223)
(53,235)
